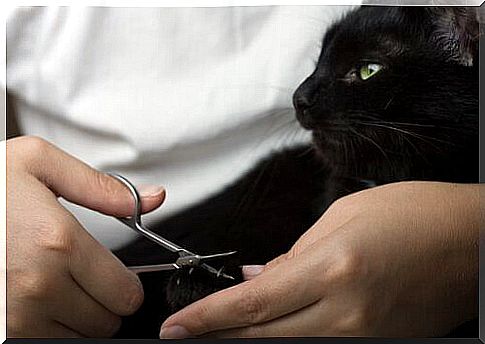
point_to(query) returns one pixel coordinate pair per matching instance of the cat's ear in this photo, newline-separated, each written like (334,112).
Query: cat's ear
(457,31)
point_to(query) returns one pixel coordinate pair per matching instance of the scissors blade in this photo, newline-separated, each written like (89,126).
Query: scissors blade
(197,260)
(217,255)
(153,268)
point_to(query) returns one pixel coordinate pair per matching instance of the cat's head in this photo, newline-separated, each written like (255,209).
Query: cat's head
(394,85)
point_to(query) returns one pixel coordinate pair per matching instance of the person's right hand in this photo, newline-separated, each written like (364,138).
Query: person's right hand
(60,281)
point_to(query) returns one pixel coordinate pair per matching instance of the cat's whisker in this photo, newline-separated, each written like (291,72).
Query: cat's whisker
(290,134)
(418,125)
(406,132)
(413,124)
(307,151)
(389,102)
(371,141)
(352,148)
(246,198)
(418,151)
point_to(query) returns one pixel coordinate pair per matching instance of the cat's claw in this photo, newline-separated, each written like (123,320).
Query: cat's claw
(220,273)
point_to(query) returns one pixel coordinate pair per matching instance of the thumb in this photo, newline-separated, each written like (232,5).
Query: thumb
(79,183)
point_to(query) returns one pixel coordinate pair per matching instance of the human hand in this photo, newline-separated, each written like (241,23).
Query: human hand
(60,281)
(396,260)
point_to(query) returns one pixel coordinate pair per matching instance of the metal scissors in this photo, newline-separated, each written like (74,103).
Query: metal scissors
(186,258)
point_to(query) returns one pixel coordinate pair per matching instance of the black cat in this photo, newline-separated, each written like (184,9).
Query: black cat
(394,97)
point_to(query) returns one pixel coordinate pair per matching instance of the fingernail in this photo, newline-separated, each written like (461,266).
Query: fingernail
(149,190)
(174,332)
(250,271)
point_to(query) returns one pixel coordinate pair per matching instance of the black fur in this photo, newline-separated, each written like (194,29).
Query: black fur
(417,119)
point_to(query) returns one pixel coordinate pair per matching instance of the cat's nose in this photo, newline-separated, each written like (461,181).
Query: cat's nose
(304,99)
(301,101)
(306,94)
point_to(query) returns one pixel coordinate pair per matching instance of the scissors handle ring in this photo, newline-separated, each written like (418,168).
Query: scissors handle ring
(136,217)
(134,222)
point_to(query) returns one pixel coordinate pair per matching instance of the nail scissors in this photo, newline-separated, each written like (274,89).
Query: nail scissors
(186,258)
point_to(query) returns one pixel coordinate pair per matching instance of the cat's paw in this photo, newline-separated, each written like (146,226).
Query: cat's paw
(188,285)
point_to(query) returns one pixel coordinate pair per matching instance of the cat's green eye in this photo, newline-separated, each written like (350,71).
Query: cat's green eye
(369,70)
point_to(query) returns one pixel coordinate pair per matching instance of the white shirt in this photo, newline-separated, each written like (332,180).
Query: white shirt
(187,98)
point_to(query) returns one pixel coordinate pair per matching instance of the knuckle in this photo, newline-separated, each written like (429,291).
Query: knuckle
(35,142)
(110,189)
(357,322)
(278,260)
(347,266)
(253,307)
(351,203)
(132,299)
(56,236)
(33,147)
(340,203)
(347,205)
(292,253)
(99,181)
(203,314)
(33,286)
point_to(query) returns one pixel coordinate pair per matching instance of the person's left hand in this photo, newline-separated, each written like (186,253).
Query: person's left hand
(397,260)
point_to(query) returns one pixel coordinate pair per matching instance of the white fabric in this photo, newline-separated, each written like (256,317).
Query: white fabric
(189,98)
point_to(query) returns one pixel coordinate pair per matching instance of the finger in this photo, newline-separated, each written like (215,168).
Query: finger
(83,185)
(335,315)
(281,290)
(278,260)
(77,310)
(57,330)
(251,271)
(306,322)
(42,329)
(97,271)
